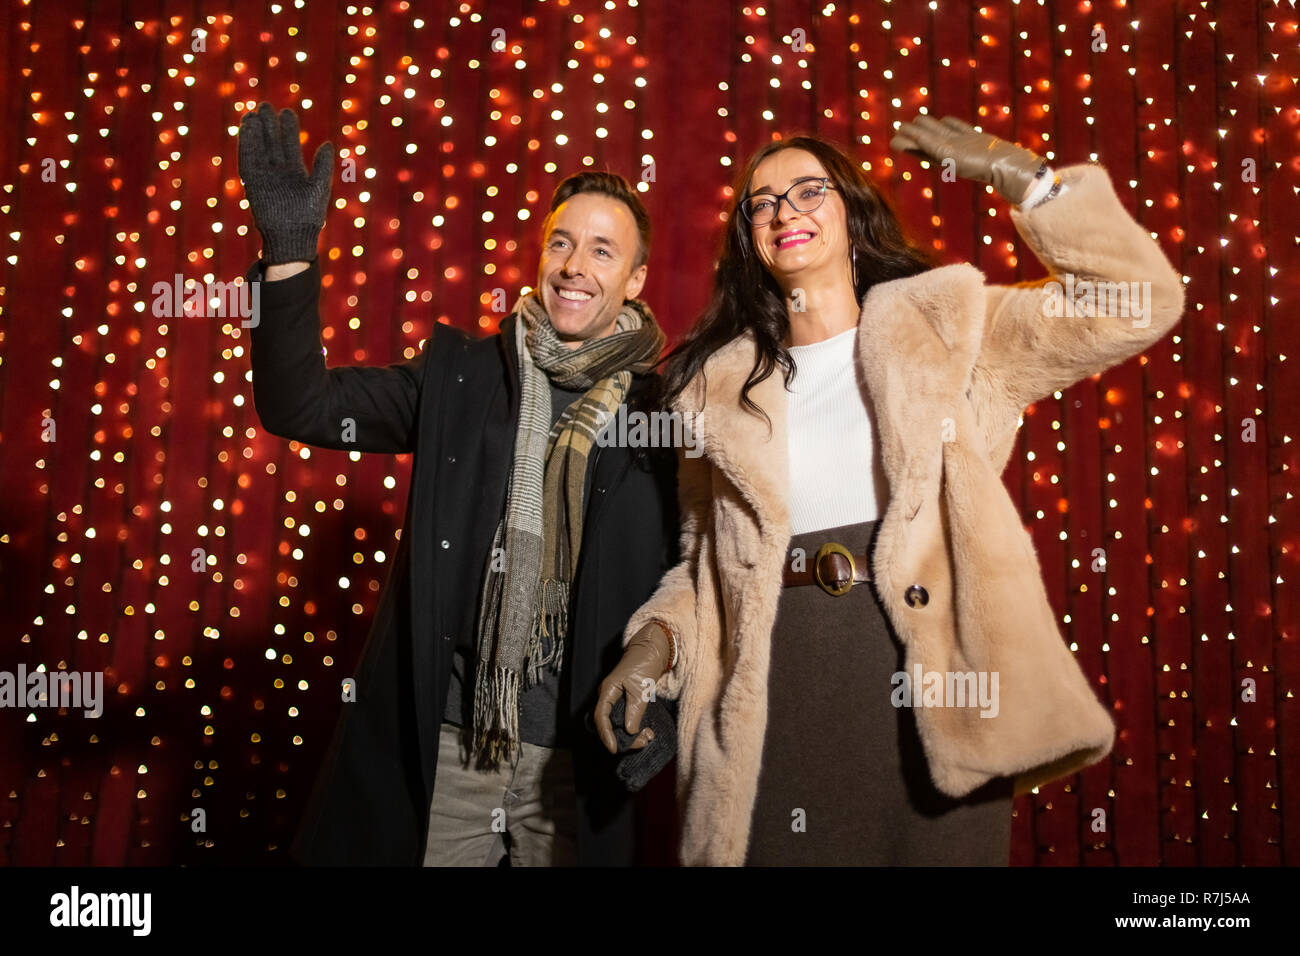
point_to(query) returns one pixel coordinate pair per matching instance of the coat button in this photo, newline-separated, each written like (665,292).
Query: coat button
(445,544)
(460,378)
(452,459)
(916,596)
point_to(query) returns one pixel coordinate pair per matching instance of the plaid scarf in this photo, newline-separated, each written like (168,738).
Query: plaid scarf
(526,595)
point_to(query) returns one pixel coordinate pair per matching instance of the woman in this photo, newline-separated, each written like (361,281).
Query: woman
(866,664)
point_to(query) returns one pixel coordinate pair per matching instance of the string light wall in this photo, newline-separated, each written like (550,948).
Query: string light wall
(223,580)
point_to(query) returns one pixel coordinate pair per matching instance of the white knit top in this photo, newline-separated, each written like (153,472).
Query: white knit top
(836,477)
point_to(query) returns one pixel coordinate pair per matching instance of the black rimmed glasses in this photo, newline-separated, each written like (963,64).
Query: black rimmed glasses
(804,196)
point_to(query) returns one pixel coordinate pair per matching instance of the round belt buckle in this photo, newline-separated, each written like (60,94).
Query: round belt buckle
(833,588)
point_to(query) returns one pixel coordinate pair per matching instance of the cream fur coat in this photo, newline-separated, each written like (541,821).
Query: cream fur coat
(950,364)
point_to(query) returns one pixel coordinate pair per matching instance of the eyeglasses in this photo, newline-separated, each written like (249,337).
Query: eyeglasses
(803,196)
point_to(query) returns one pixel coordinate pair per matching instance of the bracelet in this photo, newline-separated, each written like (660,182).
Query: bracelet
(672,642)
(1051,193)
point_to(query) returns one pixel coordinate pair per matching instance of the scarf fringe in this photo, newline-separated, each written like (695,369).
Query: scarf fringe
(551,620)
(496,716)
(496,689)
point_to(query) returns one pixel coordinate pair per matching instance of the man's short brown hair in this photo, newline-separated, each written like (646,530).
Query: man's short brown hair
(614,186)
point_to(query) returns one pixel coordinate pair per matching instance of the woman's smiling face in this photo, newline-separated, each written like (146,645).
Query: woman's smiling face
(796,246)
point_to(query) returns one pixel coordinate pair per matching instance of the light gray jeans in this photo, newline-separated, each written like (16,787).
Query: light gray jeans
(477,816)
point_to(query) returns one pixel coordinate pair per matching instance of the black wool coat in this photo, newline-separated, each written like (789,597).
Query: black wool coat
(455,406)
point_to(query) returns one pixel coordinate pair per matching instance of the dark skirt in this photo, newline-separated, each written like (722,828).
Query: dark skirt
(837,749)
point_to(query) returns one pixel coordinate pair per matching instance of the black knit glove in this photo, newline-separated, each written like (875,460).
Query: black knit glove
(288,203)
(638,766)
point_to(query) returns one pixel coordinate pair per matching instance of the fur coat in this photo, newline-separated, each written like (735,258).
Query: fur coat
(950,364)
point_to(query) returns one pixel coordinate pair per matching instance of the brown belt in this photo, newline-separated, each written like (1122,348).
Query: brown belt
(834,569)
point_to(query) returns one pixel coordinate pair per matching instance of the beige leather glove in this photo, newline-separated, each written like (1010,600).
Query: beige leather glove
(645,660)
(977,156)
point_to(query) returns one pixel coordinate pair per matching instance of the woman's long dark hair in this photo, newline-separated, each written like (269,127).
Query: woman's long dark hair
(745,296)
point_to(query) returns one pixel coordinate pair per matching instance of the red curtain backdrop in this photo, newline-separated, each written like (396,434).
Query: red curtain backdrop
(119,172)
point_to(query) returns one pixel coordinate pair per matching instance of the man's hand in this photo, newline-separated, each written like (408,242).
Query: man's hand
(288,202)
(645,660)
(978,156)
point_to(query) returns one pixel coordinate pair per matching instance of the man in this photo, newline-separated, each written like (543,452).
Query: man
(525,548)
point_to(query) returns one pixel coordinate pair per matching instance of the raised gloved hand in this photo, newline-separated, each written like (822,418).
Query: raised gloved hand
(645,660)
(1009,168)
(288,203)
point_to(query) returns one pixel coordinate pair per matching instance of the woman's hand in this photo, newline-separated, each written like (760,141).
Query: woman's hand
(645,660)
(978,156)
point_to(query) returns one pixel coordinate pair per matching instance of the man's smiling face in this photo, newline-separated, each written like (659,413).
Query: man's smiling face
(590,254)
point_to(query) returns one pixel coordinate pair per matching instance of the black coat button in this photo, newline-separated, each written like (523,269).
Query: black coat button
(916,596)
